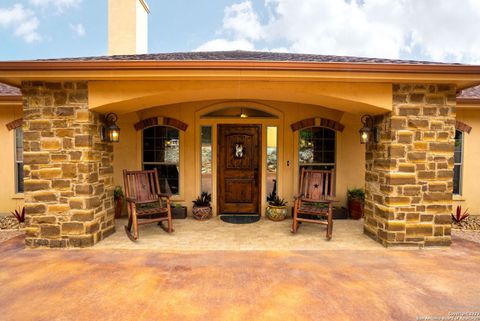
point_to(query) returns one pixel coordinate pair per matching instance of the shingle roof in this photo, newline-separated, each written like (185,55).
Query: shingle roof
(240,55)
(470,93)
(6,90)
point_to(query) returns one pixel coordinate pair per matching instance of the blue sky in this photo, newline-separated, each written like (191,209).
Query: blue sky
(438,30)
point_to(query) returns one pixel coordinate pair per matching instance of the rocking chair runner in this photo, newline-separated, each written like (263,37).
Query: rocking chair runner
(317,186)
(145,203)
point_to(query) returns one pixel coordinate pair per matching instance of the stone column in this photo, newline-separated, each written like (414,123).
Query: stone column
(409,173)
(68,170)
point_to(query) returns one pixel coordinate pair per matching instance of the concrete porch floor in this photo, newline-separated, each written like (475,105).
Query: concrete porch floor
(264,235)
(333,284)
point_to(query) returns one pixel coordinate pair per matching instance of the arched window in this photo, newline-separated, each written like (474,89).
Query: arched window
(161,150)
(457,170)
(316,148)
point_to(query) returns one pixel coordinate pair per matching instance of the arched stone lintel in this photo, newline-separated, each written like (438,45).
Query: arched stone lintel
(324,122)
(461,126)
(166,121)
(15,124)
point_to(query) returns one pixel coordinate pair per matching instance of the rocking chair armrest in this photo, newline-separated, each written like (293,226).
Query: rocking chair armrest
(298,196)
(134,200)
(166,195)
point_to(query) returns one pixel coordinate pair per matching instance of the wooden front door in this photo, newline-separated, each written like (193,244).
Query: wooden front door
(238,166)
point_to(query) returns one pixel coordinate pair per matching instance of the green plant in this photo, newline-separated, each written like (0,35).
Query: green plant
(277,201)
(356,193)
(458,217)
(203,200)
(19,215)
(118,192)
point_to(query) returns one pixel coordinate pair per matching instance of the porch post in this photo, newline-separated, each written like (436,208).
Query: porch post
(409,173)
(68,170)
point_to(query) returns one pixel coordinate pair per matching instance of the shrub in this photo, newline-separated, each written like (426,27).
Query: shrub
(356,193)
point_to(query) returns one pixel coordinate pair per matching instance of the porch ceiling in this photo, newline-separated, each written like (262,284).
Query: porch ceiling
(130,96)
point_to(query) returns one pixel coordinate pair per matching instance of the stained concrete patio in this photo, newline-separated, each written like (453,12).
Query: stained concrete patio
(264,235)
(330,284)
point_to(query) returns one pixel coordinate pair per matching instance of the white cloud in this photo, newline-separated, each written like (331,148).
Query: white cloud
(78,29)
(60,5)
(21,21)
(439,30)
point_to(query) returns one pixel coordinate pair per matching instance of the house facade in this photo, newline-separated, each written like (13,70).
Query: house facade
(184,113)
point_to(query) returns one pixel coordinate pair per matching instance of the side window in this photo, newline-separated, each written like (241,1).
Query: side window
(19,160)
(457,170)
(161,150)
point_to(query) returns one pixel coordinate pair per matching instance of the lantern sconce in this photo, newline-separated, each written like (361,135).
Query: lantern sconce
(109,131)
(368,130)
(243,114)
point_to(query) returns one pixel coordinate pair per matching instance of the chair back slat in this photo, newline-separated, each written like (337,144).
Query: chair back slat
(317,184)
(141,185)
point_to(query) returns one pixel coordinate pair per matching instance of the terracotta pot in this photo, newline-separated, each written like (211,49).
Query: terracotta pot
(355,208)
(118,207)
(276,213)
(202,213)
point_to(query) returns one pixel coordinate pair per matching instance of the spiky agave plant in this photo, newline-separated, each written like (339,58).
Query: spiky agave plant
(19,215)
(459,216)
(203,200)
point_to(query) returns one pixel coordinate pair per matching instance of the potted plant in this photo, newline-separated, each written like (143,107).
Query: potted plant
(178,211)
(276,209)
(356,199)
(201,207)
(118,199)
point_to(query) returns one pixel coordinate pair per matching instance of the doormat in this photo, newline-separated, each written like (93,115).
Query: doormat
(240,219)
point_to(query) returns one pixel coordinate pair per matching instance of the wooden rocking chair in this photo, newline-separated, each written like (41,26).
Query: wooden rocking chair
(317,186)
(145,203)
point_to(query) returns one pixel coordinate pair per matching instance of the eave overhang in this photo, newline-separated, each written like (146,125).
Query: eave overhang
(15,72)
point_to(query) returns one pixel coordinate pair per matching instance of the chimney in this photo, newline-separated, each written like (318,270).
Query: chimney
(127,27)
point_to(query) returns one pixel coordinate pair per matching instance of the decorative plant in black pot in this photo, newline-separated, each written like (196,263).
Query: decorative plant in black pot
(356,200)
(118,200)
(201,207)
(276,209)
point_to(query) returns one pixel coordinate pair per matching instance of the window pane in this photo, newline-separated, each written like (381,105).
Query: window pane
(206,159)
(458,146)
(271,162)
(19,177)
(161,150)
(456,179)
(317,145)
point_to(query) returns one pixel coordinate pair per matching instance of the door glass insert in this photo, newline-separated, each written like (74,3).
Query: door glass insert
(206,159)
(272,162)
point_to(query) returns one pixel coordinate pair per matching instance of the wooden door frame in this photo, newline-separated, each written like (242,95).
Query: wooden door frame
(259,160)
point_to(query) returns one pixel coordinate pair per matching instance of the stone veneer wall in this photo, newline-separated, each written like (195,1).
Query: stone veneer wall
(68,170)
(409,173)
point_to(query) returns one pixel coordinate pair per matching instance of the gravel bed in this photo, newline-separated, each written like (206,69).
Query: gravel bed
(473,236)
(8,234)
(468,229)
(8,228)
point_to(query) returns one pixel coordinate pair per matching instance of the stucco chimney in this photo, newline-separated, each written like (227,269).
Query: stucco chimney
(127,27)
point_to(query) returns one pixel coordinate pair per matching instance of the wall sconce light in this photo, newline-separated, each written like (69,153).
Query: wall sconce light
(110,132)
(368,130)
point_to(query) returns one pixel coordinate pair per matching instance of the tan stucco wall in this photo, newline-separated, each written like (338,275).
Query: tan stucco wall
(350,153)
(9,201)
(471,162)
